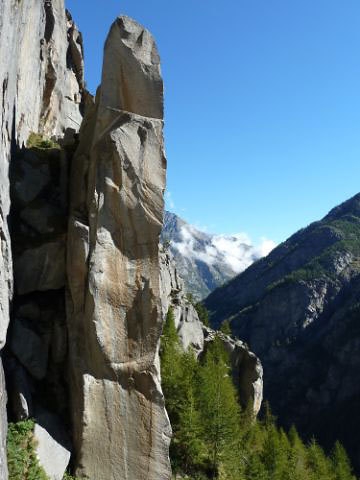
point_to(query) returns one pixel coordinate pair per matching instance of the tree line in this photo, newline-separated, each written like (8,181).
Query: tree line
(214,439)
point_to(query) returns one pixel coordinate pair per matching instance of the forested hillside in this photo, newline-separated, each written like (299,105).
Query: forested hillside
(299,311)
(214,439)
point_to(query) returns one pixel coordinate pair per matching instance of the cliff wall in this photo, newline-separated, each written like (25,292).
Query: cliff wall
(121,430)
(41,81)
(80,310)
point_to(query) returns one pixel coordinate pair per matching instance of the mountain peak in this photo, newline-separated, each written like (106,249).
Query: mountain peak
(205,261)
(349,207)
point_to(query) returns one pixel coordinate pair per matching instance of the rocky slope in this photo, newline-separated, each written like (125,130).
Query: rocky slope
(246,367)
(299,310)
(81,218)
(206,261)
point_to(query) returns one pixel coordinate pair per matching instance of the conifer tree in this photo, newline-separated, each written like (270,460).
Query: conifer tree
(170,355)
(274,455)
(319,465)
(203,313)
(341,464)
(297,456)
(213,438)
(225,327)
(255,469)
(188,434)
(219,406)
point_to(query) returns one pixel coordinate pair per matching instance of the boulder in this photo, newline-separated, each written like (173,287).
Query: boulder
(53,447)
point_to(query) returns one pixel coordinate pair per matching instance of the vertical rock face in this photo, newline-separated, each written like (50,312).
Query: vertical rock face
(247,371)
(173,293)
(41,89)
(121,430)
(246,367)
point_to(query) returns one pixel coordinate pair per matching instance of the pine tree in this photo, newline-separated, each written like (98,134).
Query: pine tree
(188,434)
(213,438)
(219,406)
(170,355)
(255,469)
(274,455)
(203,313)
(225,327)
(319,465)
(297,456)
(341,464)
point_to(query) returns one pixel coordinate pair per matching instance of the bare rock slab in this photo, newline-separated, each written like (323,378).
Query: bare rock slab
(53,447)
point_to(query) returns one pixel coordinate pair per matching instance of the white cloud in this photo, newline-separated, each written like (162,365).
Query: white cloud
(170,205)
(265,247)
(237,251)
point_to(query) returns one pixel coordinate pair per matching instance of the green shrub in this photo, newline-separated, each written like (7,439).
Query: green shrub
(36,140)
(22,460)
(225,327)
(203,313)
(67,476)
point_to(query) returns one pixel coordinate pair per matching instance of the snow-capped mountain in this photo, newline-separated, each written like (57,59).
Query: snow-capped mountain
(206,261)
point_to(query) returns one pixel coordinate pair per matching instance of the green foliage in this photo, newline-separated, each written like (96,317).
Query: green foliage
(36,140)
(213,438)
(22,460)
(171,371)
(190,298)
(341,464)
(203,313)
(188,442)
(218,405)
(67,476)
(225,327)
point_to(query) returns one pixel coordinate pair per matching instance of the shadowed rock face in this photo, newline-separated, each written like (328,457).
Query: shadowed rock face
(121,430)
(299,311)
(40,93)
(173,294)
(41,87)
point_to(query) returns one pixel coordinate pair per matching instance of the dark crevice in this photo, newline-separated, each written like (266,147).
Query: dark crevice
(36,353)
(49,20)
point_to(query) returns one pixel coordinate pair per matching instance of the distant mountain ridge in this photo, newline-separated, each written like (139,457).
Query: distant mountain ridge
(299,310)
(206,261)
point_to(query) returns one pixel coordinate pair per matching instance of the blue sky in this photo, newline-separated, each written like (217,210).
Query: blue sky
(262,104)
